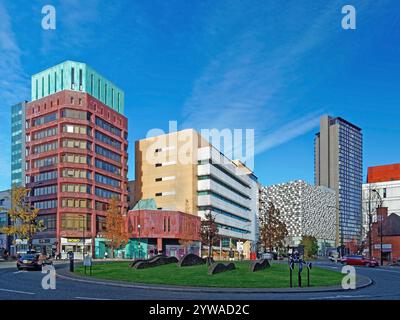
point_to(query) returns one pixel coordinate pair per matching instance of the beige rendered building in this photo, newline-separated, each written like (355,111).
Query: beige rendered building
(182,171)
(166,170)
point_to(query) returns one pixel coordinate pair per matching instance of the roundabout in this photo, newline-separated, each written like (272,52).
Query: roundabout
(195,278)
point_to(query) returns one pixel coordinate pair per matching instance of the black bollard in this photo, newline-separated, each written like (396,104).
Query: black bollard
(291,267)
(309,266)
(300,270)
(71,261)
(71,265)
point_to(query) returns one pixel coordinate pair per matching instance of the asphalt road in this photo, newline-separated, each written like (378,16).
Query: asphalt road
(22,285)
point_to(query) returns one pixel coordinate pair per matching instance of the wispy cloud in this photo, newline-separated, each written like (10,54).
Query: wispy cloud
(288,132)
(14,85)
(247,84)
(76,27)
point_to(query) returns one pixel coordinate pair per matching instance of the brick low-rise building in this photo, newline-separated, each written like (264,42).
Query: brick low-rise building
(390,236)
(173,233)
(382,188)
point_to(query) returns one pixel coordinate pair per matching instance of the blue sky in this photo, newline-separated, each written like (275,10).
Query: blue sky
(272,66)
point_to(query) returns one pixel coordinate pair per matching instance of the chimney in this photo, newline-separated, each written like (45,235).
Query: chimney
(382,212)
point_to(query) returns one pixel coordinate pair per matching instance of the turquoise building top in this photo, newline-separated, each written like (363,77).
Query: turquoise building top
(145,204)
(77,76)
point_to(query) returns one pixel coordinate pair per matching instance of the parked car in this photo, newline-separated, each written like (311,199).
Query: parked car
(334,257)
(356,260)
(32,261)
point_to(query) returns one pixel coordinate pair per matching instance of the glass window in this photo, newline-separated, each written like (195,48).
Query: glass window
(107,140)
(107,126)
(107,167)
(44,119)
(75,114)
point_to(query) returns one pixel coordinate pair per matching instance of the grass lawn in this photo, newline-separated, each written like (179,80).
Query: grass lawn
(275,277)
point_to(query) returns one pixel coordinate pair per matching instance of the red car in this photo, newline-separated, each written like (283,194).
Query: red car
(356,260)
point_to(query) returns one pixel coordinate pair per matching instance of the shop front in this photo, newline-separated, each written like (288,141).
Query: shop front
(139,249)
(3,241)
(78,246)
(47,246)
(386,251)
(134,249)
(21,246)
(179,251)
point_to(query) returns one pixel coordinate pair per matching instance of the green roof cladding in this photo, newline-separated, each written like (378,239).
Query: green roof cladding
(145,204)
(77,76)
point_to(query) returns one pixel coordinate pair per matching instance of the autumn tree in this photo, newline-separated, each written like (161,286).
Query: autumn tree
(23,217)
(115,229)
(272,230)
(208,232)
(354,246)
(310,244)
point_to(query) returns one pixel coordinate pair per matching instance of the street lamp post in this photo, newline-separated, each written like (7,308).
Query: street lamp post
(139,246)
(381,222)
(210,239)
(83,234)
(339,225)
(242,232)
(369,225)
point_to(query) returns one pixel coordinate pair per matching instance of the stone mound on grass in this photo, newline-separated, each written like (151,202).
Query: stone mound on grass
(259,265)
(220,267)
(191,259)
(154,262)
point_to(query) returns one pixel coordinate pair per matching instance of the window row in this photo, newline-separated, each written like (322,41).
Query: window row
(43,205)
(225,185)
(79,129)
(45,147)
(76,173)
(107,140)
(107,166)
(80,144)
(44,119)
(45,133)
(76,158)
(107,126)
(48,221)
(75,222)
(106,193)
(44,176)
(76,188)
(75,114)
(43,191)
(101,206)
(107,180)
(76,203)
(107,153)
(45,162)
(227,200)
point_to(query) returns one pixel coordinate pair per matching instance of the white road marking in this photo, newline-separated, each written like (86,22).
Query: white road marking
(339,297)
(20,271)
(88,298)
(16,291)
(386,270)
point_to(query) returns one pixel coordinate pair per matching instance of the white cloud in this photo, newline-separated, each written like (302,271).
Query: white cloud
(288,132)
